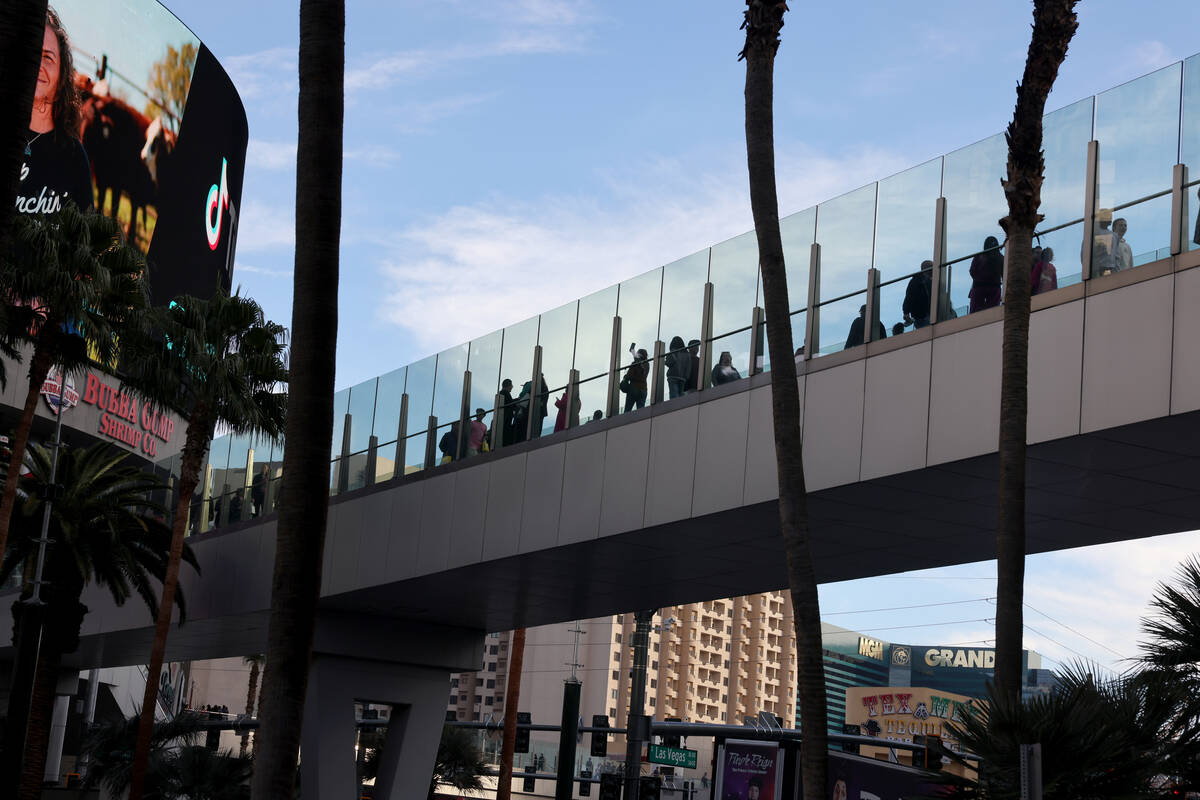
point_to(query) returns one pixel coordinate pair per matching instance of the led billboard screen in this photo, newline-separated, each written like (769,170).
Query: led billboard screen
(134,117)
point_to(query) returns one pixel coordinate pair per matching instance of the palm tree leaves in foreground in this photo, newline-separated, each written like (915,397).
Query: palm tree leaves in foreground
(70,287)
(178,768)
(1099,738)
(215,361)
(105,529)
(1172,645)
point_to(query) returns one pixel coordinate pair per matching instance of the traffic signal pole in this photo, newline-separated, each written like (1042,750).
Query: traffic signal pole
(567,737)
(638,727)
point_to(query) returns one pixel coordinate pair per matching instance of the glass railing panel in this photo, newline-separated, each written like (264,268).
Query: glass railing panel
(362,413)
(516,360)
(356,470)
(731,358)
(798,232)
(593,398)
(562,416)
(842,323)
(1058,251)
(335,471)
(974,198)
(556,335)
(387,404)
(484,363)
(448,390)
(449,446)
(634,386)
(678,369)
(1065,136)
(845,231)
(536,401)
(683,301)
(973,282)
(904,228)
(341,405)
(419,387)
(797,323)
(904,302)
(273,494)
(593,333)
(479,431)
(1138,234)
(414,452)
(1137,125)
(638,304)
(734,276)
(1191,232)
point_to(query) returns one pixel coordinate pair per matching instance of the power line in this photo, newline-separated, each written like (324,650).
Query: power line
(1077,633)
(907,608)
(927,625)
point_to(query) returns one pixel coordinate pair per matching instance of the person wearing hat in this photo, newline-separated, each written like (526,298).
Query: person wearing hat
(1103,244)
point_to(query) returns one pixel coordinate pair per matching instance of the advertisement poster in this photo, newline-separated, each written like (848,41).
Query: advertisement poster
(858,778)
(134,118)
(749,770)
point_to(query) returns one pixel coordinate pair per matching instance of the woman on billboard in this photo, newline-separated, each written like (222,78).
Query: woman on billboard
(55,168)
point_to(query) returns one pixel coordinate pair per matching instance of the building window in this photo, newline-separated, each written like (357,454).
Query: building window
(454,683)
(493,650)
(653,665)
(491,666)
(462,697)
(479,681)
(652,702)
(453,699)
(462,715)
(475,716)
(491,684)
(612,712)
(616,675)
(653,683)
(487,701)
(614,694)
(656,647)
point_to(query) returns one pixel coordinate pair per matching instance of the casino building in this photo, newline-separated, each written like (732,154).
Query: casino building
(854,660)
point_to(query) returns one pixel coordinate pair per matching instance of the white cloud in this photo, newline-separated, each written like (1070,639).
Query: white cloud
(256,270)
(266,227)
(447,273)
(271,155)
(1151,55)
(265,73)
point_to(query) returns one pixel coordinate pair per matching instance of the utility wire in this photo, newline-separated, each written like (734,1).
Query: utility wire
(907,608)
(1077,633)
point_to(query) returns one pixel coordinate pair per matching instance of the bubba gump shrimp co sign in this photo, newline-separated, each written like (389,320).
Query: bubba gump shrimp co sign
(138,426)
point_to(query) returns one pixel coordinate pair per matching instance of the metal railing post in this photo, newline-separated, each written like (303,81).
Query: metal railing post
(464,418)
(1090,190)
(572,399)
(812,326)
(706,335)
(938,285)
(872,314)
(656,377)
(343,474)
(372,459)
(247,506)
(533,402)
(613,400)
(756,340)
(496,440)
(401,436)
(1179,209)
(431,443)
(206,498)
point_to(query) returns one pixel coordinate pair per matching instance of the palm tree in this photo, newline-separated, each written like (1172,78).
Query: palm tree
(216,361)
(110,745)
(1107,738)
(512,701)
(1172,647)
(21,26)
(459,762)
(763,21)
(1054,23)
(105,529)
(69,285)
(197,773)
(255,663)
(300,541)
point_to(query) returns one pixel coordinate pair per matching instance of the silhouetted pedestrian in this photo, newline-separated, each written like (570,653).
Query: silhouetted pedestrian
(987,273)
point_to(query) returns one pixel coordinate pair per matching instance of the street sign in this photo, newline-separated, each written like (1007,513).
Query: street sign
(671,756)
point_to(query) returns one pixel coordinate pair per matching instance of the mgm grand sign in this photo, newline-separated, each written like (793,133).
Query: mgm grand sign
(946,657)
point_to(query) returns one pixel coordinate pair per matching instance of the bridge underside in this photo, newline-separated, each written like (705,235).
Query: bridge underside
(1120,483)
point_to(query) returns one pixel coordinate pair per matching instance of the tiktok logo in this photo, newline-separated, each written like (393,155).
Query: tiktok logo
(218,201)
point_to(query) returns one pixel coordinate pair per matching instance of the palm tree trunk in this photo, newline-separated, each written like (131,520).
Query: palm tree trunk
(198,432)
(763,23)
(39,368)
(300,542)
(41,712)
(21,26)
(251,697)
(1054,23)
(512,700)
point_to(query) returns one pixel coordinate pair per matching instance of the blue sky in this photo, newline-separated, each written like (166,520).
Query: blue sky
(505,156)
